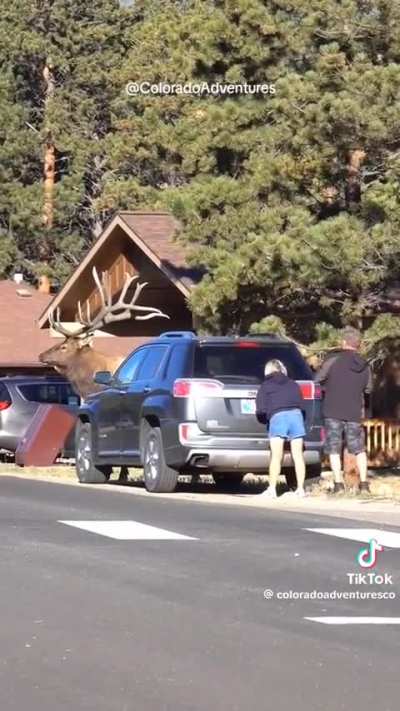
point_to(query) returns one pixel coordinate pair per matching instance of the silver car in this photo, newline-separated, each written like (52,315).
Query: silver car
(20,397)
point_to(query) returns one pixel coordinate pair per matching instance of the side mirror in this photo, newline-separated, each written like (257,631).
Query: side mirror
(103,377)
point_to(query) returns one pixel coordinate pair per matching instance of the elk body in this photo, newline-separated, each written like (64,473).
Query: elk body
(75,358)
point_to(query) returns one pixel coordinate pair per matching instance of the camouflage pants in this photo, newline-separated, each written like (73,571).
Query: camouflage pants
(352,432)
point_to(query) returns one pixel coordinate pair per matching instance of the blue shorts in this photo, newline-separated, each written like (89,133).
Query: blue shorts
(288,424)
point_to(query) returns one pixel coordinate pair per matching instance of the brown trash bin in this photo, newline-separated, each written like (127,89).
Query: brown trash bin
(45,437)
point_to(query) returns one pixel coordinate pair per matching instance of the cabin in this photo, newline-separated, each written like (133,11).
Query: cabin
(21,340)
(140,243)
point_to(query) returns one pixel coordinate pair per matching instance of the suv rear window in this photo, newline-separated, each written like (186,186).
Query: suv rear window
(51,393)
(233,362)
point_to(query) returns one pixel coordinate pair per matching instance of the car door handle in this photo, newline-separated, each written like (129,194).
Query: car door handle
(146,389)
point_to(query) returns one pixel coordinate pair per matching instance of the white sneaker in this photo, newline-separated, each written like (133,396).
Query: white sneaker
(270,493)
(300,493)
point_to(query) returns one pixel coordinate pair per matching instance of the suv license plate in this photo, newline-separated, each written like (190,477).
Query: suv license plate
(248,407)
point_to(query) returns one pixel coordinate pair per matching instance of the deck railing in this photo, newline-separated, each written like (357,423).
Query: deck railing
(382,442)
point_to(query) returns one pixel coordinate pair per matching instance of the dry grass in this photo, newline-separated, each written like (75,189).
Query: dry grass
(384,484)
(59,472)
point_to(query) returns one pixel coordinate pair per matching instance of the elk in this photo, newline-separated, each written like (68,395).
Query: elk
(75,358)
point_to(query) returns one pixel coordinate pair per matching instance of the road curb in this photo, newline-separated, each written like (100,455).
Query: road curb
(379,511)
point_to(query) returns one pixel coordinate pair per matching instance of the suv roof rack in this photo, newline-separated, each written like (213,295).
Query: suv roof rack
(178,334)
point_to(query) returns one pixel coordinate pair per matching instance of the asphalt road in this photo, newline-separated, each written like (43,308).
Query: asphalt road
(97,624)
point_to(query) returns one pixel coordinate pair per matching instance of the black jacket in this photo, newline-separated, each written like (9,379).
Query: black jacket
(345,376)
(277,393)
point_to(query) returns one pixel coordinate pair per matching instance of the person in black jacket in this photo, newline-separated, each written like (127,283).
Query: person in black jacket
(345,378)
(279,404)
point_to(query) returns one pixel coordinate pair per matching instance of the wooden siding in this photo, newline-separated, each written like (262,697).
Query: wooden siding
(116,277)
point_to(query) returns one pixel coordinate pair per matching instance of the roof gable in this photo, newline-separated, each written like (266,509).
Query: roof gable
(153,233)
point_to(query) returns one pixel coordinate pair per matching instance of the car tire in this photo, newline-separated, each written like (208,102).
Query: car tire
(228,481)
(158,476)
(87,471)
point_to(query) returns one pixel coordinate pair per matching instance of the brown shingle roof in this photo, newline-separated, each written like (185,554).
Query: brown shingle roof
(21,339)
(22,318)
(157,230)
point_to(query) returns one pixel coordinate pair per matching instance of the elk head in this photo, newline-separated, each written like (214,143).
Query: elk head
(74,357)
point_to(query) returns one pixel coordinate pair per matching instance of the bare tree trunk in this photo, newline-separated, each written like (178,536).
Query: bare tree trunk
(353,187)
(49,179)
(49,169)
(97,227)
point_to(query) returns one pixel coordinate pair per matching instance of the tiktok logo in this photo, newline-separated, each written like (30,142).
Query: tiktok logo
(367,557)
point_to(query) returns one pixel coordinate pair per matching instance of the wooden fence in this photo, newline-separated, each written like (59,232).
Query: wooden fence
(383,442)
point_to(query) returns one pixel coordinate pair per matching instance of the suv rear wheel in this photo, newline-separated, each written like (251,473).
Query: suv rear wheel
(158,476)
(87,471)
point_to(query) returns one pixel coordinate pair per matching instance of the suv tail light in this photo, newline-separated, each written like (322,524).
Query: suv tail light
(190,431)
(4,404)
(310,391)
(199,388)
(247,344)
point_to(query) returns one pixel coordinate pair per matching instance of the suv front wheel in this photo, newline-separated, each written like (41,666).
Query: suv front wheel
(87,471)
(158,476)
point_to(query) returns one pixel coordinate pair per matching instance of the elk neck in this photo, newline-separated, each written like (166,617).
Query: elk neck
(81,368)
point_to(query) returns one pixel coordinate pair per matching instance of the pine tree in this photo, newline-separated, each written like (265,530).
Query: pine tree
(56,57)
(290,202)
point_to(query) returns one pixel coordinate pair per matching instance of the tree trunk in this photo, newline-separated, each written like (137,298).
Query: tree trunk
(353,184)
(49,179)
(49,169)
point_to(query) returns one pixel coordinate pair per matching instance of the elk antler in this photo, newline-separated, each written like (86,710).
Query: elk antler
(109,312)
(122,309)
(56,324)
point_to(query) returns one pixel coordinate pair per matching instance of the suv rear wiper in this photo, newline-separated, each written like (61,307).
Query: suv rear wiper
(240,378)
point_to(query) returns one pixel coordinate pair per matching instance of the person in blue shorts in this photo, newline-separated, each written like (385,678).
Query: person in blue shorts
(279,404)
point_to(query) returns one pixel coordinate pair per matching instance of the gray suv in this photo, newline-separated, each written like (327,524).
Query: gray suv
(20,397)
(186,404)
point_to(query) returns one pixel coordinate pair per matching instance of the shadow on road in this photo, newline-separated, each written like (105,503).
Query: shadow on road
(207,486)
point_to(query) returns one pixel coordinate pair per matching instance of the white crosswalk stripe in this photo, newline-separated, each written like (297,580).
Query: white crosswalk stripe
(128,531)
(387,539)
(355,620)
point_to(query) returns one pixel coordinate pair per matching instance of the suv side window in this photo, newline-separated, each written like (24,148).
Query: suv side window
(5,398)
(127,371)
(150,365)
(55,393)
